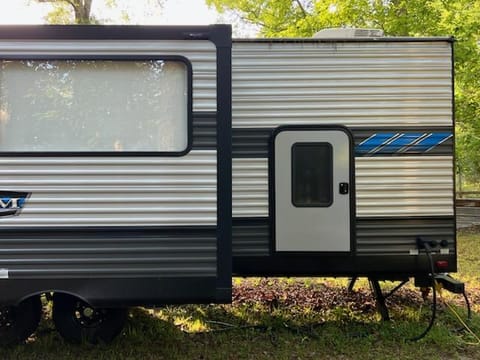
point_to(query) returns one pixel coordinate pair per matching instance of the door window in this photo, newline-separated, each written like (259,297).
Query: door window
(312,174)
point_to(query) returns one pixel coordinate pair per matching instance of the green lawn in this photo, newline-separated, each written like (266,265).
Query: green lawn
(287,319)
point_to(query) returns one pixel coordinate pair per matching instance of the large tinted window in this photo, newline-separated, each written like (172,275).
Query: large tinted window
(94,105)
(312,174)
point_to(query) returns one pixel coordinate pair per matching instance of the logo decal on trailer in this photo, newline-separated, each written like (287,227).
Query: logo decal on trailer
(401,143)
(12,202)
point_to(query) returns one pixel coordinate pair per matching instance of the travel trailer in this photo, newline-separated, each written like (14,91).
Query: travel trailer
(147,165)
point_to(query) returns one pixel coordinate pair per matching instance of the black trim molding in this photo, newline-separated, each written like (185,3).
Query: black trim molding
(219,34)
(224,161)
(109,292)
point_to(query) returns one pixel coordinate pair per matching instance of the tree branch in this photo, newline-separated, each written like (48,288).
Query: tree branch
(301,8)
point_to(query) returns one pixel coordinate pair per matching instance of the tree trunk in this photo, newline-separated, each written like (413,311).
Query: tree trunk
(82,10)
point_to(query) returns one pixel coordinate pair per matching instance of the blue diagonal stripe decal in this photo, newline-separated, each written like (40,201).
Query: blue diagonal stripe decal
(429,142)
(399,143)
(373,142)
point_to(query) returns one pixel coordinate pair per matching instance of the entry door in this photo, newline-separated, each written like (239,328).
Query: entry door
(312,190)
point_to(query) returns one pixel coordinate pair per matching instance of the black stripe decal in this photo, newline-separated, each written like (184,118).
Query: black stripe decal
(251,143)
(383,249)
(374,236)
(104,252)
(251,237)
(254,143)
(390,236)
(204,130)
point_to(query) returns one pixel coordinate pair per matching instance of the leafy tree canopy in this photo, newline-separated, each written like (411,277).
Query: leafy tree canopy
(460,18)
(80,11)
(70,11)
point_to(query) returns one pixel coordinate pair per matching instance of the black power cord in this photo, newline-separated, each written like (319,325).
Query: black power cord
(428,250)
(467,302)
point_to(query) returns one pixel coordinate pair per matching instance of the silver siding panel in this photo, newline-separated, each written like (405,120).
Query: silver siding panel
(87,192)
(404,186)
(361,84)
(348,83)
(113,191)
(99,191)
(250,187)
(385,186)
(202,55)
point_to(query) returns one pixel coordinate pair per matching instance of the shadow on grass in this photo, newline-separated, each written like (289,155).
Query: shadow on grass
(275,325)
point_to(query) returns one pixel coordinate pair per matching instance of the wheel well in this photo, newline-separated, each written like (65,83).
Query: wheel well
(48,294)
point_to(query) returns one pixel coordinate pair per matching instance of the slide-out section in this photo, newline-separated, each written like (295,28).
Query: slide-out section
(116,136)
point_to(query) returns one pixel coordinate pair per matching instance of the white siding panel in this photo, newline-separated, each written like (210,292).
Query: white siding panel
(385,186)
(202,55)
(114,191)
(404,186)
(250,187)
(350,83)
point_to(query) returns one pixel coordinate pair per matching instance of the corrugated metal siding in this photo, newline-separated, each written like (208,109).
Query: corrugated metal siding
(393,237)
(249,187)
(356,84)
(379,236)
(444,147)
(385,186)
(185,251)
(349,83)
(399,186)
(113,191)
(204,130)
(254,143)
(202,55)
(251,237)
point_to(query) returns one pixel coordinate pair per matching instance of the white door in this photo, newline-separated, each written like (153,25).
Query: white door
(312,190)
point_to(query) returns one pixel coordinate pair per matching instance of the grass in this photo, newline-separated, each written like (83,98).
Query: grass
(262,330)
(468,186)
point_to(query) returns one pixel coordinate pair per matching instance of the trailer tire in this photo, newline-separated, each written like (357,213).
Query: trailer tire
(78,322)
(17,323)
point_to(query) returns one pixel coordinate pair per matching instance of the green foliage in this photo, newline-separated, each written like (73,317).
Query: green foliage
(60,15)
(459,18)
(468,247)
(80,11)
(72,11)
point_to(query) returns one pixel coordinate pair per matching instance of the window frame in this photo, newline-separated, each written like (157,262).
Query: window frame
(293,177)
(126,58)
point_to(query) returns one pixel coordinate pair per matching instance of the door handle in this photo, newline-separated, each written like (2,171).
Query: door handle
(343,188)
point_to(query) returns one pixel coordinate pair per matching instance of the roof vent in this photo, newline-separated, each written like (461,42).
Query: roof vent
(340,33)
